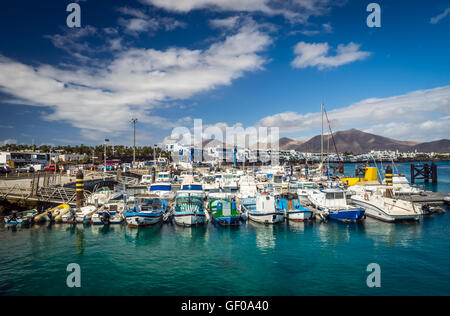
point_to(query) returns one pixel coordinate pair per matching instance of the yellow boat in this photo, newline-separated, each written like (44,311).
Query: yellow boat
(56,211)
(370,176)
(65,208)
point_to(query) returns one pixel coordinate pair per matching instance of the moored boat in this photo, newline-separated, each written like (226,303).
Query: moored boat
(293,208)
(333,203)
(224,212)
(163,190)
(50,214)
(20,218)
(147,211)
(380,204)
(263,209)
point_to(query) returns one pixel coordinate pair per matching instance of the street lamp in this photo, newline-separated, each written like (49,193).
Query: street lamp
(154,154)
(104,156)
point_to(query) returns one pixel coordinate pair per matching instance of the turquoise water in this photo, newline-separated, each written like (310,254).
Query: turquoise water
(296,259)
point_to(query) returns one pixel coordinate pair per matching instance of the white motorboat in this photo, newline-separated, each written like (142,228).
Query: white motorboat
(100,196)
(380,203)
(112,211)
(333,203)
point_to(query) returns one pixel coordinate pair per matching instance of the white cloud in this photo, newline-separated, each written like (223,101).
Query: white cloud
(228,23)
(138,21)
(134,82)
(294,10)
(316,55)
(419,115)
(325,28)
(439,17)
(8,141)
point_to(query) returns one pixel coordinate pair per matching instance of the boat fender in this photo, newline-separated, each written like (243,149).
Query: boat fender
(366,197)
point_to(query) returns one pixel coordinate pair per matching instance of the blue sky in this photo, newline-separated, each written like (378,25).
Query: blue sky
(230,63)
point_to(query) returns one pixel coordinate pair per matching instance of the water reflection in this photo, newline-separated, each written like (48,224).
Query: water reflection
(334,233)
(299,227)
(192,236)
(143,236)
(265,236)
(393,234)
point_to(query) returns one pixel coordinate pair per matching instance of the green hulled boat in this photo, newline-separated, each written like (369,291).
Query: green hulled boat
(224,212)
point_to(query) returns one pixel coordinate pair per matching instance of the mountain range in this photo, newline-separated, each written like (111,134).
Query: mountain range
(352,141)
(358,142)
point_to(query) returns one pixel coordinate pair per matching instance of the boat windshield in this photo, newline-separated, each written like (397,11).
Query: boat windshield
(335,196)
(189,200)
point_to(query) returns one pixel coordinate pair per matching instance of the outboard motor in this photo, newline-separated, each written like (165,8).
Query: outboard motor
(106,218)
(426,208)
(50,216)
(73,215)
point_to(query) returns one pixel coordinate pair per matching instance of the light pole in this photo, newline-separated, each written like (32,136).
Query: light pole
(154,154)
(134,120)
(104,157)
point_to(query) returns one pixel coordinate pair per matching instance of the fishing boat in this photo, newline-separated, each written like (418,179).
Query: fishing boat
(262,209)
(189,209)
(20,218)
(189,203)
(381,204)
(333,203)
(224,212)
(293,208)
(50,214)
(163,190)
(147,211)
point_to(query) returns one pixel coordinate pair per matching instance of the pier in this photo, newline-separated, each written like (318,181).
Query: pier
(58,188)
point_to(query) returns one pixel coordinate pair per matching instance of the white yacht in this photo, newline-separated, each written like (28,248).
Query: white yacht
(380,203)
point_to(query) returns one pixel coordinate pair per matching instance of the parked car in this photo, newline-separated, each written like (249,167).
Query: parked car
(27,168)
(51,168)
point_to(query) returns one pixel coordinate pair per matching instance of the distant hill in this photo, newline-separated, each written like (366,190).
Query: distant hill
(438,146)
(359,142)
(289,143)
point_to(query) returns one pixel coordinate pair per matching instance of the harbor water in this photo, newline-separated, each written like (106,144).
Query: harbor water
(251,259)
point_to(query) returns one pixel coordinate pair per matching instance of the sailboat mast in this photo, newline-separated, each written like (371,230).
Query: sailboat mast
(321,137)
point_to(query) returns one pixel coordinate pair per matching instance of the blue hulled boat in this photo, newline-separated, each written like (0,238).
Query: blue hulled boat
(333,203)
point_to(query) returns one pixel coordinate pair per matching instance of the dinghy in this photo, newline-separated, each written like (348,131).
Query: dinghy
(20,218)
